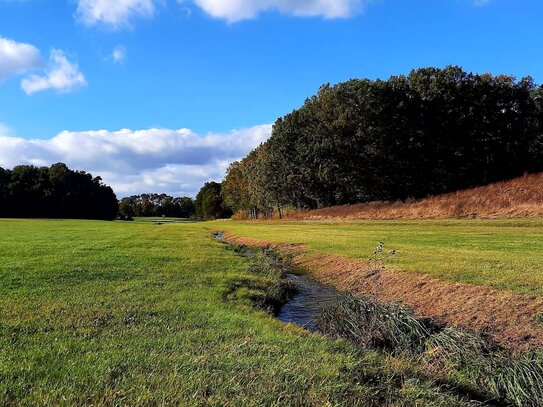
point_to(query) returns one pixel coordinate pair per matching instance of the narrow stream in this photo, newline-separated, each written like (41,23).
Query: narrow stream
(307,304)
(311,296)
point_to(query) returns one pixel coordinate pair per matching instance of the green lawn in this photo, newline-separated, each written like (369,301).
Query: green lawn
(114,313)
(506,254)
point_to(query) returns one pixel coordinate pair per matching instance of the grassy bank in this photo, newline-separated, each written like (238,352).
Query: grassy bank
(133,313)
(506,254)
(517,198)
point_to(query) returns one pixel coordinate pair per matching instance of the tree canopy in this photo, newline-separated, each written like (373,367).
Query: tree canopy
(210,204)
(55,192)
(432,131)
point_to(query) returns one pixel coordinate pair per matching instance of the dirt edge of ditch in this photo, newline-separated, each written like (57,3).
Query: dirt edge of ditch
(509,318)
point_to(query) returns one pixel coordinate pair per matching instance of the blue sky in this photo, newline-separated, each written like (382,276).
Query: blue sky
(75,72)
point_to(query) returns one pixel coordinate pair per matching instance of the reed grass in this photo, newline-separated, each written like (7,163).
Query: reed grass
(461,359)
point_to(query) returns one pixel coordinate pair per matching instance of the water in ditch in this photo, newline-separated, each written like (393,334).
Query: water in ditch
(311,297)
(307,304)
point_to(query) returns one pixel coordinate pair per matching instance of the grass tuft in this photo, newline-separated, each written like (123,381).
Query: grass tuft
(274,290)
(369,323)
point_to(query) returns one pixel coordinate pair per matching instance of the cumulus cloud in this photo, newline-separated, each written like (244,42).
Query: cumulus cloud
(61,75)
(237,10)
(177,162)
(17,57)
(114,14)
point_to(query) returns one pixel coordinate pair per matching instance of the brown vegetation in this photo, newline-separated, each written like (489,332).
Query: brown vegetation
(509,318)
(520,197)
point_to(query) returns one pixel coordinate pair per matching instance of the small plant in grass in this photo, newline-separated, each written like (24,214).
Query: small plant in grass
(377,263)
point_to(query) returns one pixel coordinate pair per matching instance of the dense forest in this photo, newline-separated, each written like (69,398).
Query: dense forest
(156,205)
(430,132)
(27,191)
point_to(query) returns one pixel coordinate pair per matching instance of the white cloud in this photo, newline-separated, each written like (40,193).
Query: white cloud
(119,54)
(177,162)
(17,57)
(62,75)
(237,10)
(121,13)
(113,13)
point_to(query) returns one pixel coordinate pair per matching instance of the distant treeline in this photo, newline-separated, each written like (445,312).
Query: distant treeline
(209,204)
(433,131)
(27,191)
(156,205)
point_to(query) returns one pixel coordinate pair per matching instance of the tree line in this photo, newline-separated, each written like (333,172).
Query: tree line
(430,132)
(27,191)
(156,205)
(426,133)
(209,204)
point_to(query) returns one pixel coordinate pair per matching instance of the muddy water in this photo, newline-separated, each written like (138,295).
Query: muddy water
(311,296)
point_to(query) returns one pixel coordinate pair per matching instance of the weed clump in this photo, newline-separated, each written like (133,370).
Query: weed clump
(515,379)
(371,324)
(460,358)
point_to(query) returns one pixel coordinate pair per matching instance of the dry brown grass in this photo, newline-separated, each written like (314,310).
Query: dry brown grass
(520,197)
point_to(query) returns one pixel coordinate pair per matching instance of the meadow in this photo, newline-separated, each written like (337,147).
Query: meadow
(505,254)
(125,313)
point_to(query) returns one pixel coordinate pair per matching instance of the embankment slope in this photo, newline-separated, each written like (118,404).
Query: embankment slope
(520,197)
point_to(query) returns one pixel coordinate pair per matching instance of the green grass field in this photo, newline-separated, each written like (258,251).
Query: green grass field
(506,254)
(113,313)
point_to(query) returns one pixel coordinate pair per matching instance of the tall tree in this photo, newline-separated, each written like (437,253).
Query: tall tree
(209,202)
